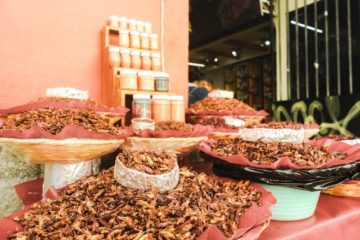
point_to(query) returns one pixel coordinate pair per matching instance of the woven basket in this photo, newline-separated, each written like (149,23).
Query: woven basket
(348,189)
(180,145)
(71,150)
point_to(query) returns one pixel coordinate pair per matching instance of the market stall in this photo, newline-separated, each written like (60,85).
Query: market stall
(217,170)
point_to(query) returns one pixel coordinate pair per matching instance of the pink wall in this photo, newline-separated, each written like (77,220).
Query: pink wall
(57,43)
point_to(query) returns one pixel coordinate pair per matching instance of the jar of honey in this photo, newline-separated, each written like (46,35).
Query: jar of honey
(114,57)
(124,39)
(145,60)
(145,41)
(122,22)
(128,79)
(114,21)
(132,24)
(134,39)
(154,42)
(135,59)
(140,26)
(146,81)
(147,27)
(155,62)
(141,106)
(177,107)
(125,58)
(160,107)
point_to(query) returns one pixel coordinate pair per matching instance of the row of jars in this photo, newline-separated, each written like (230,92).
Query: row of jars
(159,107)
(135,39)
(129,24)
(131,79)
(136,59)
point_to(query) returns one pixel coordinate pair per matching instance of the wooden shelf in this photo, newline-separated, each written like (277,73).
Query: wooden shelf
(134,49)
(116,29)
(112,95)
(131,92)
(115,69)
(124,92)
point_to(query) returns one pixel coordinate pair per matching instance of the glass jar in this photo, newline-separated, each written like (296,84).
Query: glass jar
(147,27)
(145,61)
(155,62)
(125,58)
(124,39)
(161,82)
(140,26)
(141,106)
(122,22)
(134,39)
(154,42)
(160,107)
(146,81)
(114,21)
(114,57)
(145,41)
(177,107)
(128,79)
(135,59)
(132,24)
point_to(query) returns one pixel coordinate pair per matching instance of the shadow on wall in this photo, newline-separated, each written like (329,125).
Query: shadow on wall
(334,114)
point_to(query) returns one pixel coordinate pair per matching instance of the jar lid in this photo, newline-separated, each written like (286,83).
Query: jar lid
(140,22)
(145,73)
(153,35)
(160,97)
(132,21)
(177,98)
(114,49)
(141,96)
(125,51)
(135,52)
(155,54)
(122,18)
(128,71)
(147,23)
(113,17)
(135,33)
(123,31)
(145,54)
(144,34)
(161,74)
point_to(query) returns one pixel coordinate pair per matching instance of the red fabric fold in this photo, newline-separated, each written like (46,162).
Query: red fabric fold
(353,154)
(30,192)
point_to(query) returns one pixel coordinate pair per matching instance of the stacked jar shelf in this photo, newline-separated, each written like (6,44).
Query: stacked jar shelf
(131,63)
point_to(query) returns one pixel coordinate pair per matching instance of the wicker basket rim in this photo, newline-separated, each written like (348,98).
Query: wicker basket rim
(61,141)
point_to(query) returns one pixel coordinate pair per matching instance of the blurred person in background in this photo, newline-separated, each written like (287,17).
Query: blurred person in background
(200,84)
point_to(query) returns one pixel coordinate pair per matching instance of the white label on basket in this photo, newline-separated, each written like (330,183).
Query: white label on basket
(272,135)
(234,121)
(351,141)
(135,179)
(67,93)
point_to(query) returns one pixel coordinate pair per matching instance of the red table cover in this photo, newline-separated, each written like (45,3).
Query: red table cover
(335,218)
